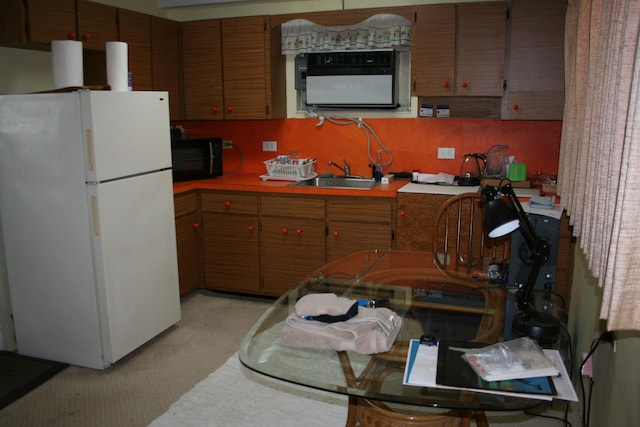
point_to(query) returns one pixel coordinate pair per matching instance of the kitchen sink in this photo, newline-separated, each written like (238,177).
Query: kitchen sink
(338,182)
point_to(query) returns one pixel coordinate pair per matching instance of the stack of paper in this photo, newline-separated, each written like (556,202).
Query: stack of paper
(442,366)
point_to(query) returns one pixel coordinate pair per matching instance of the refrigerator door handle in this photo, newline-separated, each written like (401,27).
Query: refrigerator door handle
(90,157)
(94,216)
(211,156)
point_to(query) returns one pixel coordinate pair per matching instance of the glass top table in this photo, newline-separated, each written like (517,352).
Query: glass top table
(416,291)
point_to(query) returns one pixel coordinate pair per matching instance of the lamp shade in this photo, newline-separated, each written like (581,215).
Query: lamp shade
(500,220)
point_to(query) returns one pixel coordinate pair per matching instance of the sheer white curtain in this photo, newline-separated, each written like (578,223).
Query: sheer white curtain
(378,32)
(599,178)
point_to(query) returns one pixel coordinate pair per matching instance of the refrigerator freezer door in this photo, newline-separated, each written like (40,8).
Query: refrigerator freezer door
(135,255)
(125,133)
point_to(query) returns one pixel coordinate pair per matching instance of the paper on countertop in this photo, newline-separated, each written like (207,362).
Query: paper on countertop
(422,365)
(434,178)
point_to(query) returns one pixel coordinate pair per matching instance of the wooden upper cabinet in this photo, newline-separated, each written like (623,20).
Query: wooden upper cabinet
(135,30)
(245,62)
(480,49)
(535,82)
(97,24)
(38,22)
(202,70)
(165,60)
(433,50)
(458,50)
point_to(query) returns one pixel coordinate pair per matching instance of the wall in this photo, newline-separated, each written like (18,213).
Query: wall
(616,378)
(413,142)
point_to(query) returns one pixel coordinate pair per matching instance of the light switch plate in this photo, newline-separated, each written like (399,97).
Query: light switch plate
(446,153)
(269,146)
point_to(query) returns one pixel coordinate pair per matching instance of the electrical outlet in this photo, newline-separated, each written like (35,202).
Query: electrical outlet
(227,143)
(269,146)
(446,153)
(587,368)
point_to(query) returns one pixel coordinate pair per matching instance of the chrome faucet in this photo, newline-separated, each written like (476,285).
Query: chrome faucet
(346,169)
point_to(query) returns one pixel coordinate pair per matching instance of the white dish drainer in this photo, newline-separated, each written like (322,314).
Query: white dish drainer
(289,170)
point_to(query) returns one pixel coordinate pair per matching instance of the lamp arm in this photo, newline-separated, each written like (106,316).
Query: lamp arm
(538,246)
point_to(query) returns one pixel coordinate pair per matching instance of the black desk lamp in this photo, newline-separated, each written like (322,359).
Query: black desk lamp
(501,219)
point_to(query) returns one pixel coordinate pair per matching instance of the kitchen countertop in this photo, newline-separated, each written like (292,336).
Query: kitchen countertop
(454,190)
(251,182)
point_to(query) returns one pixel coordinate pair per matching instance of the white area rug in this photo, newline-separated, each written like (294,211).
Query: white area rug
(234,396)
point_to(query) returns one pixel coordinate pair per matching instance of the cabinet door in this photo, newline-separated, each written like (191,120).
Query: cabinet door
(135,30)
(165,57)
(415,220)
(358,225)
(433,50)
(480,48)
(291,249)
(202,70)
(188,247)
(97,24)
(244,62)
(346,237)
(535,84)
(231,252)
(47,20)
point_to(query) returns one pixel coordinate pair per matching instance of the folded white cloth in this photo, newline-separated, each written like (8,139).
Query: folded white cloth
(372,330)
(319,304)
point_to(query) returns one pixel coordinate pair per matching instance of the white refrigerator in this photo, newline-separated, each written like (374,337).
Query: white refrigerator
(86,209)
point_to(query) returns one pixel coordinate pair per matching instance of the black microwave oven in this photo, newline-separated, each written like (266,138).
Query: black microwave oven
(196,158)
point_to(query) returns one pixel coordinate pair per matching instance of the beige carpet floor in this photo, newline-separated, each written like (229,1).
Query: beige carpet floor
(144,385)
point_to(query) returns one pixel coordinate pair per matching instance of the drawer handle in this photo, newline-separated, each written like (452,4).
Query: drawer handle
(285,231)
(464,84)
(196,226)
(445,84)
(227,204)
(336,234)
(402,213)
(298,231)
(250,228)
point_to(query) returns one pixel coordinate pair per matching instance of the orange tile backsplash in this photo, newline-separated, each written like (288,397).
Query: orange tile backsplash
(413,142)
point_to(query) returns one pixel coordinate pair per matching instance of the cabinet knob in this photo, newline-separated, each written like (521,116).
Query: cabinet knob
(285,231)
(402,213)
(215,110)
(229,109)
(464,84)
(227,204)
(336,234)
(250,228)
(516,107)
(86,37)
(445,84)
(298,231)
(196,226)
(72,36)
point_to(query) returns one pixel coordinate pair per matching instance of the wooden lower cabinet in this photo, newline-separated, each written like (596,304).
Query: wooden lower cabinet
(356,225)
(292,240)
(231,249)
(188,241)
(415,217)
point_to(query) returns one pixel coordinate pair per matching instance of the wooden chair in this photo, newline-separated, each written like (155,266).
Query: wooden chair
(461,247)
(370,413)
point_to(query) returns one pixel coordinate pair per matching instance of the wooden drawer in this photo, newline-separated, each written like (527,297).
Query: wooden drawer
(362,210)
(185,203)
(233,203)
(296,207)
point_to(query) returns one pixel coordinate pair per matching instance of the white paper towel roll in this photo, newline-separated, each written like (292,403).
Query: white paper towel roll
(66,57)
(117,66)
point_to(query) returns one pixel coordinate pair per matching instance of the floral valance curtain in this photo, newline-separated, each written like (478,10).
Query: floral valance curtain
(378,32)
(600,150)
